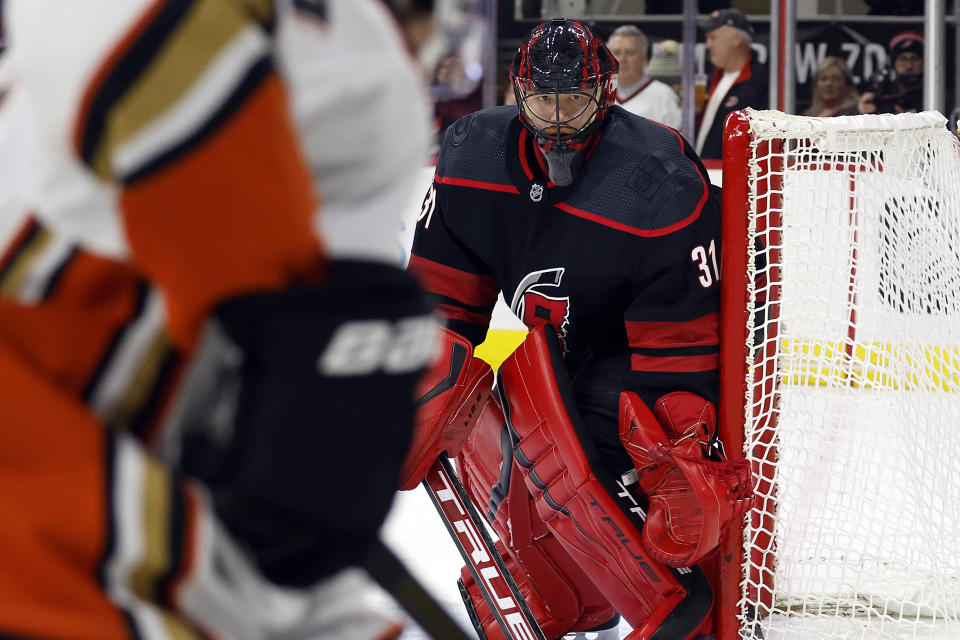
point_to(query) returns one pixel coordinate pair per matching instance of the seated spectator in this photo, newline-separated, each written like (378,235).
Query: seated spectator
(834,92)
(739,80)
(637,92)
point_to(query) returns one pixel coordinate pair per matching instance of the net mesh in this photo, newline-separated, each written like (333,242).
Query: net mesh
(853,385)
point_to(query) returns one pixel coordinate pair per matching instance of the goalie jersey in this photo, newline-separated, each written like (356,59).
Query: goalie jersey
(624,263)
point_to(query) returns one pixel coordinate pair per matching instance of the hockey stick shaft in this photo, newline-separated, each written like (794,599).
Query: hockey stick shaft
(484,562)
(393,576)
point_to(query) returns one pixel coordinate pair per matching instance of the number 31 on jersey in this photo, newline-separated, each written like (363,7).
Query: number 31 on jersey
(706,261)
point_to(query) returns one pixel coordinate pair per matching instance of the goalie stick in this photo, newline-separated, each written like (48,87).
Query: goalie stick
(392,575)
(485,563)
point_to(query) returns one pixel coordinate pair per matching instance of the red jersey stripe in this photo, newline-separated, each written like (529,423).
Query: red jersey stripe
(699,332)
(674,364)
(454,312)
(469,288)
(477,184)
(645,233)
(523,155)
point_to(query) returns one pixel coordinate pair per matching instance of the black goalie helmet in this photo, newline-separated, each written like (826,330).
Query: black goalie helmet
(565,81)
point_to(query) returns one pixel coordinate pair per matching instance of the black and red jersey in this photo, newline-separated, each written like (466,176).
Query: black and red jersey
(624,262)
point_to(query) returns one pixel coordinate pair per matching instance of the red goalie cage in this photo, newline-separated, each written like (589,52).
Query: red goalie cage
(840,376)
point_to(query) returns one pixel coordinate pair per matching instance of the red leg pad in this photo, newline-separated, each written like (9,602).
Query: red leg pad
(574,504)
(560,595)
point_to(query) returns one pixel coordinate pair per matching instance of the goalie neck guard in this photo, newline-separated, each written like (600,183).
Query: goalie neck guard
(565,81)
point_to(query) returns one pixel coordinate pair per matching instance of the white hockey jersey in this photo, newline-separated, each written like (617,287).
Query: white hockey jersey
(654,100)
(361,113)
(196,150)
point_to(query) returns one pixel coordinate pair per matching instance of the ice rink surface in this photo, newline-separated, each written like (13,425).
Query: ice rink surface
(415,532)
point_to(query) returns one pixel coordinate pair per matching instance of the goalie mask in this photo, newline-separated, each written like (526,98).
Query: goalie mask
(565,80)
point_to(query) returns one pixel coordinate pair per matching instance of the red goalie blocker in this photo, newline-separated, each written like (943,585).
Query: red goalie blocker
(449,396)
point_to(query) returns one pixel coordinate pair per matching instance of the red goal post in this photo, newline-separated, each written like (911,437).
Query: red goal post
(840,376)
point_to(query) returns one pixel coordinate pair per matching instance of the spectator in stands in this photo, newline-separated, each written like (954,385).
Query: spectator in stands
(739,80)
(637,92)
(834,92)
(452,105)
(899,88)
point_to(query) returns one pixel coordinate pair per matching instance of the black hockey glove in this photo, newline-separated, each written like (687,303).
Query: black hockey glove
(298,414)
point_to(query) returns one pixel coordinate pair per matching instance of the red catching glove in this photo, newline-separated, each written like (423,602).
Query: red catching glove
(693,499)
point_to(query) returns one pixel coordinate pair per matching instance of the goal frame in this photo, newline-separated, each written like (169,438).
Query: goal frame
(730,568)
(728,563)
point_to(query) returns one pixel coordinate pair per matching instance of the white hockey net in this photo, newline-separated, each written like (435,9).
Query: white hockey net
(853,378)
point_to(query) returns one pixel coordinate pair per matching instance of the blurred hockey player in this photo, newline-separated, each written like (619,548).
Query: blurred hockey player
(208,351)
(597,459)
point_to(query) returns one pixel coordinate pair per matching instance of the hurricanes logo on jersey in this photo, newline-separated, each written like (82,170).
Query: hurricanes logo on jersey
(537,301)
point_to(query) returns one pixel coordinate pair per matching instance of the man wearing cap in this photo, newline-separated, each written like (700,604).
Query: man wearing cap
(900,88)
(739,80)
(637,92)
